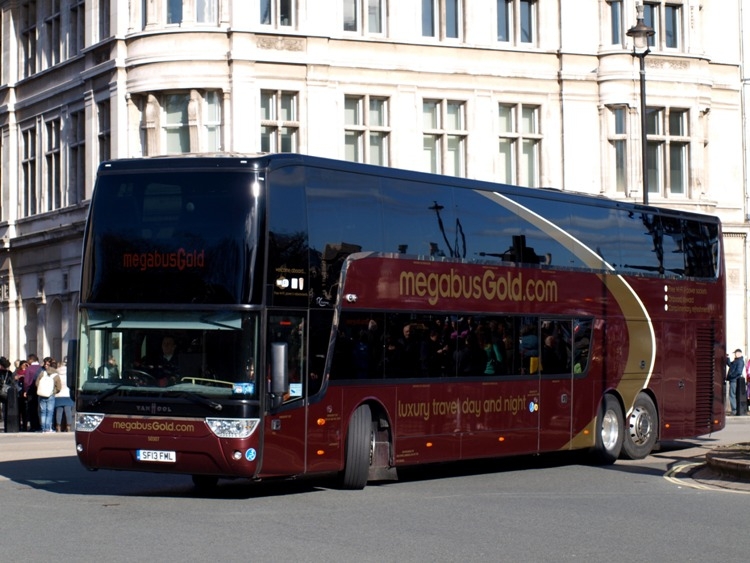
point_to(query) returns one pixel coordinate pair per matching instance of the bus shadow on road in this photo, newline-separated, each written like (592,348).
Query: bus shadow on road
(66,476)
(470,468)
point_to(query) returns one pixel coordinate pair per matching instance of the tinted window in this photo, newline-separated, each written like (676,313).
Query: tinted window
(172,237)
(288,280)
(345,216)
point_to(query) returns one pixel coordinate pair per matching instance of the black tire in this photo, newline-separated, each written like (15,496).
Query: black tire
(359,446)
(205,483)
(641,429)
(609,432)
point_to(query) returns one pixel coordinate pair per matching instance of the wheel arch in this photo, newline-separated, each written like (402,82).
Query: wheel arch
(383,455)
(651,395)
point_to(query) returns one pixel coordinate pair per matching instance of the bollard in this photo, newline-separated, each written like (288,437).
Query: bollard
(741,396)
(11,410)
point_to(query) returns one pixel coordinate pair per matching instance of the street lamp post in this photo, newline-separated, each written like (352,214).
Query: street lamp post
(641,33)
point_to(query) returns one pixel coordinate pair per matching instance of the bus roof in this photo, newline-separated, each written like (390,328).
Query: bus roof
(273,161)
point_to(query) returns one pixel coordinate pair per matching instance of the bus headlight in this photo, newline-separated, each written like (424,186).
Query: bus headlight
(232,427)
(88,422)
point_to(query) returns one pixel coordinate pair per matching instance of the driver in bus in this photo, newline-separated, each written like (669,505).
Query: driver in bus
(164,368)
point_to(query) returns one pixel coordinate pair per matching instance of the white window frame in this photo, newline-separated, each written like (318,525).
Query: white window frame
(211,117)
(275,13)
(104,28)
(445,137)
(104,129)
(207,12)
(362,129)
(279,124)
(439,20)
(616,23)
(29,38)
(77,27)
(169,128)
(516,26)
(359,16)
(515,162)
(53,34)
(177,18)
(662,142)
(655,16)
(53,197)
(76,156)
(618,135)
(29,169)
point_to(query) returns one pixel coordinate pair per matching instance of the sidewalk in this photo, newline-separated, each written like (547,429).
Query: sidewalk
(18,446)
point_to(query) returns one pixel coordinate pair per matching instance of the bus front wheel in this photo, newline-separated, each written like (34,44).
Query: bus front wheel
(359,448)
(609,431)
(640,429)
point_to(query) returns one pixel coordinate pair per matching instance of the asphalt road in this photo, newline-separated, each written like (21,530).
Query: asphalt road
(541,508)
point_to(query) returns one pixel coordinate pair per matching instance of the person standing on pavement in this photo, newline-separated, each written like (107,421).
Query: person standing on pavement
(20,376)
(6,379)
(63,401)
(735,372)
(29,387)
(47,385)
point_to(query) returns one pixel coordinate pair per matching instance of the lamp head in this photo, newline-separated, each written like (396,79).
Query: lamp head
(640,32)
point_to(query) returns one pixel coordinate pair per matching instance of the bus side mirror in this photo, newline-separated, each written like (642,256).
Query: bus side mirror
(279,372)
(72,366)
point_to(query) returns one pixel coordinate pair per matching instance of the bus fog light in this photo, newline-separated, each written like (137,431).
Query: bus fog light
(237,455)
(88,422)
(79,448)
(232,427)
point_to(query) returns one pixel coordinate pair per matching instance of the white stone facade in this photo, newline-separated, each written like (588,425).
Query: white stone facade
(536,92)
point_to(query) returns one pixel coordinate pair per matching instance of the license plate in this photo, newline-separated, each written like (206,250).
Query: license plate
(155,455)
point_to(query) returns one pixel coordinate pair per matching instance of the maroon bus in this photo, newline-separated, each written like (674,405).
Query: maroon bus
(281,315)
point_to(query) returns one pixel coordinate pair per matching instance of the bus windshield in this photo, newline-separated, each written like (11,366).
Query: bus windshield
(142,352)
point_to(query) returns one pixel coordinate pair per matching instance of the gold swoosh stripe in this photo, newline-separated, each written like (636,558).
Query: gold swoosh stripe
(641,335)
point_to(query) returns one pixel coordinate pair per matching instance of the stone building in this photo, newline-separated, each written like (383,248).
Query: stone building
(531,92)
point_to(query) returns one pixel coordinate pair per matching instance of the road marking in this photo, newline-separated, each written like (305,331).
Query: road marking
(679,475)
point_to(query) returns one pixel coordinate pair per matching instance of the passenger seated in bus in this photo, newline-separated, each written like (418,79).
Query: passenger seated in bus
(493,355)
(469,357)
(408,352)
(110,370)
(529,349)
(434,355)
(552,362)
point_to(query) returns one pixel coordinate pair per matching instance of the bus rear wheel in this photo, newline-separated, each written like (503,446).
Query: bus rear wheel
(359,449)
(640,429)
(609,432)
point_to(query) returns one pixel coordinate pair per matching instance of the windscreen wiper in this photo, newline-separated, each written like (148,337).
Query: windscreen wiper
(198,399)
(104,394)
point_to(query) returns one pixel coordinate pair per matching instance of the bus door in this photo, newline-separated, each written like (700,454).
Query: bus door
(556,367)
(284,421)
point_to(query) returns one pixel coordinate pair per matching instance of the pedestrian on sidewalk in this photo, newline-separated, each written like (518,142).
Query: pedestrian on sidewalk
(7,382)
(33,371)
(735,372)
(20,376)
(63,401)
(47,385)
